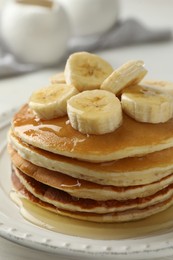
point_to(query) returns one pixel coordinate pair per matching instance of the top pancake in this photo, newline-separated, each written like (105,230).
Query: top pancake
(132,138)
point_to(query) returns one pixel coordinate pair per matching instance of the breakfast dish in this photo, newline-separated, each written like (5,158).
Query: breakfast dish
(65,241)
(97,147)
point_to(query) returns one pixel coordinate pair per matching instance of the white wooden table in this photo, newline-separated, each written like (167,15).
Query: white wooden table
(158,58)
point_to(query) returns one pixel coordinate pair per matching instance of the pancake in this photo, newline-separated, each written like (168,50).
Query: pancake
(123,173)
(84,189)
(132,138)
(119,216)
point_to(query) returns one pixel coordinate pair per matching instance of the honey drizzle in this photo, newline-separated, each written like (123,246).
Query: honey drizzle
(58,136)
(102,231)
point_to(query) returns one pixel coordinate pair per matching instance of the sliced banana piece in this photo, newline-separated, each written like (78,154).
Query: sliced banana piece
(147,105)
(51,102)
(159,86)
(94,112)
(129,73)
(58,78)
(86,71)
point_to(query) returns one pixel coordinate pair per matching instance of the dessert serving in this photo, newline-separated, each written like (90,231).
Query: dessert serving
(97,144)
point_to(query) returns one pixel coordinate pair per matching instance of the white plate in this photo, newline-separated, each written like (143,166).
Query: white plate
(14,227)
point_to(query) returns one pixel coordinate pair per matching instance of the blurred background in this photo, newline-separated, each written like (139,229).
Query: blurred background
(38,34)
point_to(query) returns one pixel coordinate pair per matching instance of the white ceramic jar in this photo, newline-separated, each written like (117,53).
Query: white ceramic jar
(91,16)
(35,33)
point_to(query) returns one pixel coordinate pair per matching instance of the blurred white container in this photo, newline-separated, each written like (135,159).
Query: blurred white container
(91,16)
(35,33)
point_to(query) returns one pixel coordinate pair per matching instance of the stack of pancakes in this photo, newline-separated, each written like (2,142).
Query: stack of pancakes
(120,176)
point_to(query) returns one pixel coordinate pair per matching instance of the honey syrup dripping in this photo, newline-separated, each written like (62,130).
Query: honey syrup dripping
(51,221)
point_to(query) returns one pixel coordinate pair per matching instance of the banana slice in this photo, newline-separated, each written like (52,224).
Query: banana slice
(58,78)
(146,104)
(51,102)
(94,112)
(86,71)
(129,73)
(159,86)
